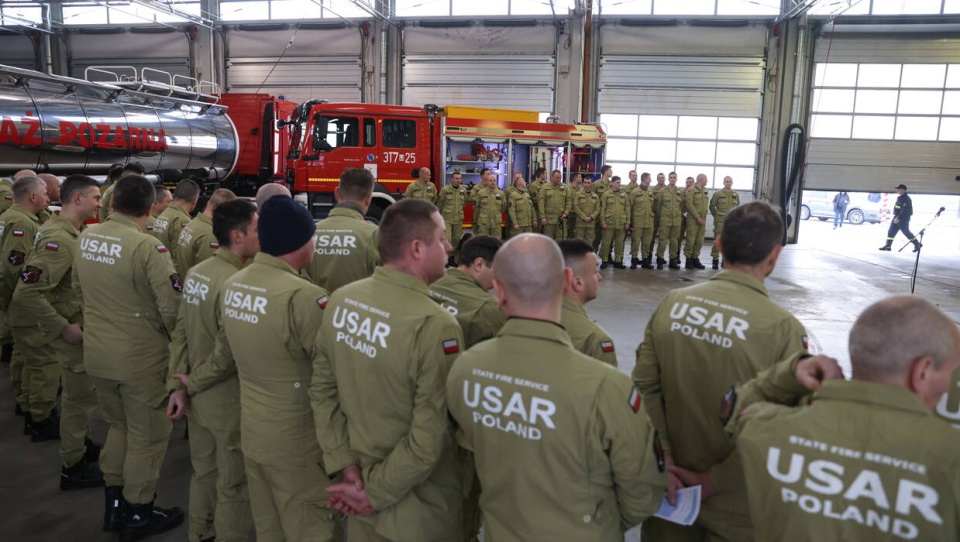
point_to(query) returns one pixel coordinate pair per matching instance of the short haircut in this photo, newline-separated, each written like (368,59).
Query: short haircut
(186,190)
(484,172)
(556,171)
(219,197)
(269,190)
(890,334)
(26,185)
(674,173)
(644,175)
(134,167)
(75,183)
(539,171)
(632,171)
(229,216)
(605,168)
(356,184)
(575,252)
(479,246)
(159,190)
(750,233)
(404,222)
(133,196)
(115,172)
(615,178)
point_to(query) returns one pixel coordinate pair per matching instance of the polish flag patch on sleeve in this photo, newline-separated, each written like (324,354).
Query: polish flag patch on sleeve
(161,249)
(606,346)
(214,245)
(52,246)
(17,233)
(322,302)
(634,400)
(451,346)
(806,342)
(8,197)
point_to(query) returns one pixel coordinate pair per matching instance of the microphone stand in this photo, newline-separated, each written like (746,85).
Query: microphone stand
(919,237)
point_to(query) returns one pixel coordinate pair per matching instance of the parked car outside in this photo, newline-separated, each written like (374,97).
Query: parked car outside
(864,206)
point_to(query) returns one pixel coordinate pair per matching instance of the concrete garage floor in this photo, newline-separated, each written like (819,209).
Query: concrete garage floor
(825,280)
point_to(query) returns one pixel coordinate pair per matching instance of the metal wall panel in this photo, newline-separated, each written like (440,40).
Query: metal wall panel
(335,79)
(480,39)
(167,51)
(17,51)
(896,49)
(618,39)
(507,81)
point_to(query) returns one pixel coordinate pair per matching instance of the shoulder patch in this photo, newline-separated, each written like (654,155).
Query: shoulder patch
(30,274)
(16,257)
(806,342)
(214,245)
(150,228)
(183,224)
(161,249)
(8,197)
(606,347)
(634,400)
(322,301)
(176,283)
(727,405)
(17,233)
(451,346)
(52,246)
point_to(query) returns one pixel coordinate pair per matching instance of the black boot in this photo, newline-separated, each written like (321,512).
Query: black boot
(619,264)
(674,263)
(634,262)
(886,247)
(689,264)
(6,353)
(143,520)
(716,263)
(46,429)
(604,265)
(916,246)
(660,262)
(697,264)
(27,423)
(82,475)
(92,455)
(645,264)
(113,509)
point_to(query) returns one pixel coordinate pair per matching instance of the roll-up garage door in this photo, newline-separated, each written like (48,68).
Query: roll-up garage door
(163,51)
(505,67)
(885,110)
(689,103)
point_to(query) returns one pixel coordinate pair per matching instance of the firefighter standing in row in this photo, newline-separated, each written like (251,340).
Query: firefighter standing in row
(695,202)
(422,188)
(614,221)
(197,242)
(721,203)
(581,286)
(383,354)
(539,180)
(586,205)
(170,223)
(520,209)
(554,205)
(642,223)
(668,209)
(451,201)
(572,224)
(599,188)
(488,207)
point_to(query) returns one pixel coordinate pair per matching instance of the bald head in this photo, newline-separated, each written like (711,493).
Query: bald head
(24,173)
(269,190)
(219,196)
(53,186)
(891,334)
(529,276)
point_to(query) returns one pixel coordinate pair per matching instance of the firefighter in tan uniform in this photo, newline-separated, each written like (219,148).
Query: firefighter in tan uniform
(6,193)
(689,182)
(580,288)
(113,175)
(949,406)
(18,229)
(700,341)
(160,204)
(384,351)
(867,459)
(632,185)
(507,192)
(170,223)
(6,201)
(572,224)
(642,224)
(599,188)
(539,180)
(345,244)
(130,296)
(562,450)
(720,204)
(520,209)
(614,221)
(554,205)
(202,365)
(489,205)
(197,242)
(655,189)
(586,205)
(52,183)
(695,201)
(422,188)
(451,201)
(50,333)
(271,317)
(668,208)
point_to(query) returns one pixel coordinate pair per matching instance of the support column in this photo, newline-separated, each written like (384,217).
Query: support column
(393,63)
(568,83)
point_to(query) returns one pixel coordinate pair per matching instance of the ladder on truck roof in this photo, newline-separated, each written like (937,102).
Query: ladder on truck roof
(154,81)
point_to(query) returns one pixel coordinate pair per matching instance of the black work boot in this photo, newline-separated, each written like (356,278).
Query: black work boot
(113,509)
(697,264)
(886,247)
(689,264)
(619,265)
(143,520)
(660,262)
(46,429)
(916,246)
(634,262)
(604,265)
(716,263)
(645,264)
(82,475)
(27,423)
(674,263)
(92,455)
(6,353)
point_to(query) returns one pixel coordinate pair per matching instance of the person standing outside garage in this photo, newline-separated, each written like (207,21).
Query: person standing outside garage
(615,221)
(488,207)
(554,205)
(696,202)
(378,389)
(202,365)
(700,341)
(668,207)
(271,318)
(197,241)
(582,462)
(170,223)
(875,439)
(131,291)
(902,211)
(520,209)
(840,203)
(18,229)
(49,320)
(346,245)
(580,287)
(160,204)
(642,223)
(721,203)
(422,188)
(586,205)
(451,201)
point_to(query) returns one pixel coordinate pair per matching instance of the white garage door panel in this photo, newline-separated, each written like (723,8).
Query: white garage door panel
(513,82)
(873,165)
(487,40)
(335,79)
(902,49)
(672,102)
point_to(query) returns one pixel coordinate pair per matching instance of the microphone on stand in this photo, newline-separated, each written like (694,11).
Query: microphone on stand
(942,209)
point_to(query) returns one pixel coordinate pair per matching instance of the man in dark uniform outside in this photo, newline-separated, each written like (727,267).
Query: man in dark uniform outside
(902,211)
(840,203)
(131,292)
(346,244)
(700,341)
(562,449)
(383,354)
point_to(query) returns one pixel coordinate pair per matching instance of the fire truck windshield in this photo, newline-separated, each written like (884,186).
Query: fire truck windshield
(332,132)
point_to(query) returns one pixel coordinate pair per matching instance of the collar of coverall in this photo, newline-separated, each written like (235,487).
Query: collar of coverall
(56,221)
(120,219)
(739,277)
(533,328)
(458,274)
(348,209)
(24,212)
(399,278)
(273,261)
(875,394)
(569,304)
(230,257)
